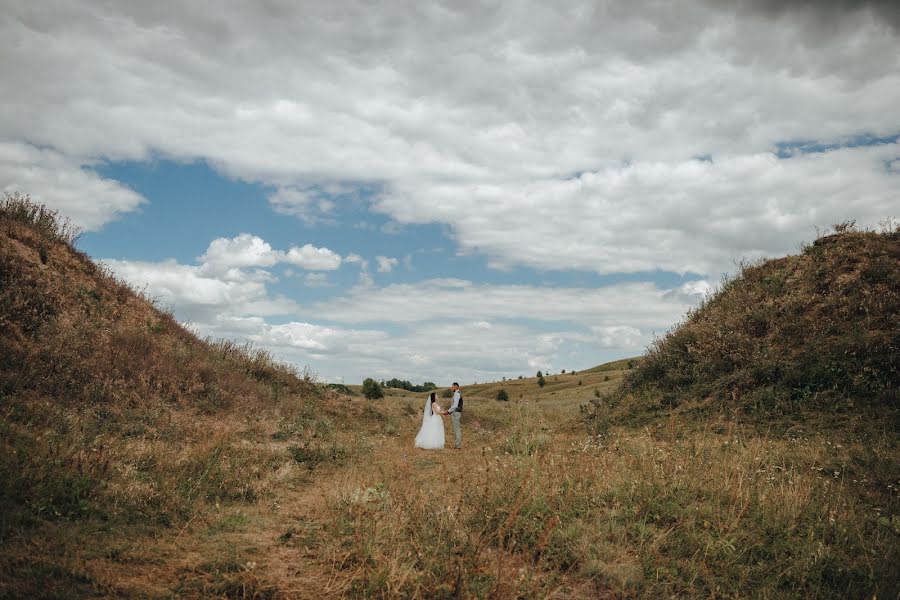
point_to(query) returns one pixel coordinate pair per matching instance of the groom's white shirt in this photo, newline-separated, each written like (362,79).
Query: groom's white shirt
(455,401)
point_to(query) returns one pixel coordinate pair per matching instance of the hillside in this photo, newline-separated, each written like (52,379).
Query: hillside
(794,338)
(138,461)
(114,416)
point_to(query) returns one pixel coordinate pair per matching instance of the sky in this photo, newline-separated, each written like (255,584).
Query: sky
(453,191)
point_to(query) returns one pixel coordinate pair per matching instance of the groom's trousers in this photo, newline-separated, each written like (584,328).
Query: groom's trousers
(457,430)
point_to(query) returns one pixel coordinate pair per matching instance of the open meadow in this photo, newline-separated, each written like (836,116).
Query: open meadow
(137,460)
(531,507)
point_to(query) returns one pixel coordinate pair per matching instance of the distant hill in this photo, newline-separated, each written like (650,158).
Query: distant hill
(815,332)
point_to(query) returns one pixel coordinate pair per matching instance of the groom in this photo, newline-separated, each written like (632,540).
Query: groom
(455,411)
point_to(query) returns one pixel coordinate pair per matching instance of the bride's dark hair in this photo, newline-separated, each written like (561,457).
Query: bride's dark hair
(433,397)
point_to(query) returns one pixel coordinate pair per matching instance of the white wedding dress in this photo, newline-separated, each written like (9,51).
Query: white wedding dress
(431,435)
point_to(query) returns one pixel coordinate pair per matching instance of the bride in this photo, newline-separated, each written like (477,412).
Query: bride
(431,435)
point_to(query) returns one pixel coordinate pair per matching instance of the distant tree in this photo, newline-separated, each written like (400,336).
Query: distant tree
(504,378)
(541,381)
(539,374)
(405,385)
(574,372)
(372,389)
(502,396)
(563,371)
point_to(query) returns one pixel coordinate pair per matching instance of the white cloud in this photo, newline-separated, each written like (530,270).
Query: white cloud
(641,305)
(246,250)
(310,204)
(386,264)
(312,258)
(200,295)
(620,336)
(434,330)
(64,184)
(694,216)
(555,136)
(322,340)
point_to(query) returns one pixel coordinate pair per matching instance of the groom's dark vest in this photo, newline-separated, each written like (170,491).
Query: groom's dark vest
(459,406)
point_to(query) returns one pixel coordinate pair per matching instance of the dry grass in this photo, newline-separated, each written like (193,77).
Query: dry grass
(139,461)
(791,337)
(538,510)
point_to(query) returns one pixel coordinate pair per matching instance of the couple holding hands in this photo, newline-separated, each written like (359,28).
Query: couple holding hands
(431,435)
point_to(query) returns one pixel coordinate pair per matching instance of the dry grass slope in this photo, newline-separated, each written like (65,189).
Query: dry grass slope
(139,461)
(112,415)
(817,331)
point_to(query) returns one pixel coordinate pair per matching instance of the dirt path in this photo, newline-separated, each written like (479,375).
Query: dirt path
(282,546)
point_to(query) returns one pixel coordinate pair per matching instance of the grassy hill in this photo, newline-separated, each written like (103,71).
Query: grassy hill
(115,420)
(139,461)
(812,336)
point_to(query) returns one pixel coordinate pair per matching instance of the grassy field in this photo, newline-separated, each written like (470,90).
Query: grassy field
(137,460)
(531,507)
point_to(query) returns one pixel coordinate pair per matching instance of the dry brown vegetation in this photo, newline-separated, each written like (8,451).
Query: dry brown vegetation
(139,461)
(789,337)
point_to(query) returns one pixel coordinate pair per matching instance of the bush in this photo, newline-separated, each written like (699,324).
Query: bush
(541,381)
(372,389)
(340,388)
(502,396)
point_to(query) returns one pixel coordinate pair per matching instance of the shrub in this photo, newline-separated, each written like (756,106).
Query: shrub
(340,388)
(541,381)
(372,389)
(502,396)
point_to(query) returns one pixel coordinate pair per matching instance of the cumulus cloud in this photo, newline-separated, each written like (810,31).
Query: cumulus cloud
(696,216)
(312,258)
(619,336)
(246,250)
(458,327)
(310,204)
(585,111)
(433,351)
(602,137)
(199,295)
(385,263)
(64,184)
(641,305)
